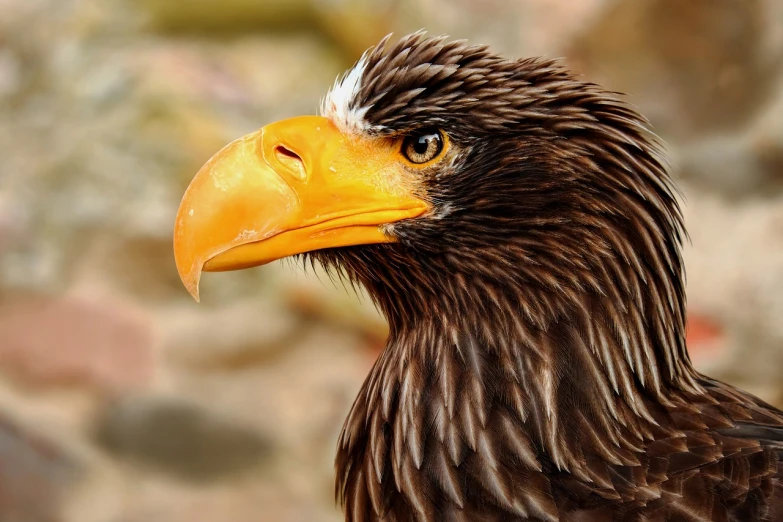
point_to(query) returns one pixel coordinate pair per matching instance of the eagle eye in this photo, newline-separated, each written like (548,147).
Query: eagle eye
(422,146)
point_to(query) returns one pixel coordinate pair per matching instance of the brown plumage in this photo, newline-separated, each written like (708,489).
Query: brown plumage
(536,367)
(519,230)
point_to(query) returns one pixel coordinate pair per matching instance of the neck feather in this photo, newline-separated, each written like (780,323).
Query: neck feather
(464,386)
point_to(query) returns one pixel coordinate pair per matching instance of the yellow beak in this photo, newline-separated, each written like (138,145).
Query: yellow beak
(294,186)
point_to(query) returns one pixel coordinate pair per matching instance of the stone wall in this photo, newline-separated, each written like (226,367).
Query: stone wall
(123,400)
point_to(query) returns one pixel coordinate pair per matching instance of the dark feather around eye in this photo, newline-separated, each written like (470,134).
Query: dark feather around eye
(423,146)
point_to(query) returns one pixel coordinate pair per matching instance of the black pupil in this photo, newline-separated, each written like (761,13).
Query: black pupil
(421,145)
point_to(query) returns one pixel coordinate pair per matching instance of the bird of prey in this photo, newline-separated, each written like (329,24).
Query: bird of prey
(520,232)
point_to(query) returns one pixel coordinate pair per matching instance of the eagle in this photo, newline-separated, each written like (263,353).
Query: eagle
(519,229)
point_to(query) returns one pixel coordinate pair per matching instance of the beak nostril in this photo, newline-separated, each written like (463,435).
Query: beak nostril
(285,152)
(291,160)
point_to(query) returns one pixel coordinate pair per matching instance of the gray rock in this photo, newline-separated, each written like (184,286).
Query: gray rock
(179,438)
(693,67)
(37,473)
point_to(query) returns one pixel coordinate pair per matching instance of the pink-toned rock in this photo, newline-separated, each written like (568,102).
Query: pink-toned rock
(62,341)
(706,339)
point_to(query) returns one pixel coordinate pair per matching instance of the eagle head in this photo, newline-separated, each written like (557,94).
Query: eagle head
(445,179)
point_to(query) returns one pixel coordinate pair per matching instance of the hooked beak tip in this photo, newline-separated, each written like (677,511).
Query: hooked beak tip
(191,281)
(194,292)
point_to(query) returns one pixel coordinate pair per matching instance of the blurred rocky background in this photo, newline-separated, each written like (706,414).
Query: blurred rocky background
(121,400)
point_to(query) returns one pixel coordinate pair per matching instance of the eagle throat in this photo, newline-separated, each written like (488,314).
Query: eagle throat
(479,370)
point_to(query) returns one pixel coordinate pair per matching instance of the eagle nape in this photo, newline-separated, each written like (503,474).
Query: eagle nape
(520,232)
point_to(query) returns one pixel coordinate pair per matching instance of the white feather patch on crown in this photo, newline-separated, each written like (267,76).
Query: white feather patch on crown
(339,105)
